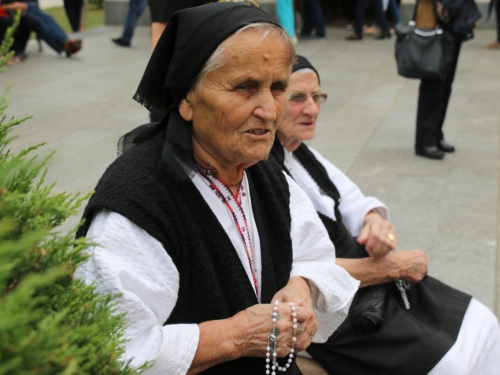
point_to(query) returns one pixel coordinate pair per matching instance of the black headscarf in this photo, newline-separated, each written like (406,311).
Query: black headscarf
(303,63)
(188,41)
(190,38)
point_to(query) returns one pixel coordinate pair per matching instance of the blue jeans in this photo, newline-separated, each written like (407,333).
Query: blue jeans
(46,28)
(134,11)
(313,17)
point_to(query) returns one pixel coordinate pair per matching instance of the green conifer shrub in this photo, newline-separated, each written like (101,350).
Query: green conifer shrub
(50,323)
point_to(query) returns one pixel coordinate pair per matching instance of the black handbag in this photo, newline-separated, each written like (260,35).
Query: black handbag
(423,53)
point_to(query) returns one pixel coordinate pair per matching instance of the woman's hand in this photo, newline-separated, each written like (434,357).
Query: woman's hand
(298,291)
(378,235)
(411,265)
(245,335)
(253,325)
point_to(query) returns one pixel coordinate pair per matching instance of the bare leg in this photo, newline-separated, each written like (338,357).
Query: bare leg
(156,31)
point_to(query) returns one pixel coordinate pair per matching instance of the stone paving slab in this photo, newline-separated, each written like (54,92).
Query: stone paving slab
(448,208)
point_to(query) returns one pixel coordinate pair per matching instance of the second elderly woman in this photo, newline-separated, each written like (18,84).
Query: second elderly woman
(430,328)
(222,263)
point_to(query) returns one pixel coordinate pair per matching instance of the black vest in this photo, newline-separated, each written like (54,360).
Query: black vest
(345,245)
(213,282)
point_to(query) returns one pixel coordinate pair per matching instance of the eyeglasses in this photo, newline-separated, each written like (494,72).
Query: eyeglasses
(300,97)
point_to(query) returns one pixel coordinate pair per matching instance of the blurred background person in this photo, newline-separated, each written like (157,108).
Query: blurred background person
(74,9)
(496,43)
(162,10)
(313,19)
(362,7)
(286,16)
(21,34)
(134,12)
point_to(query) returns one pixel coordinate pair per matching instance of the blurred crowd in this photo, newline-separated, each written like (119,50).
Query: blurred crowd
(34,19)
(302,19)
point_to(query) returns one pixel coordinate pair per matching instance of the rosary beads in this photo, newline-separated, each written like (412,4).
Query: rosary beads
(272,342)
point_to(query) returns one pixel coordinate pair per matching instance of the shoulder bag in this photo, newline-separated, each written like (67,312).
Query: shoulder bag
(423,53)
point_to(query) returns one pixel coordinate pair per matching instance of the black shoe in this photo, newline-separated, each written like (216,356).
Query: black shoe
(121,42)
(443,146)
(354,37)
(383,36)
(431,152)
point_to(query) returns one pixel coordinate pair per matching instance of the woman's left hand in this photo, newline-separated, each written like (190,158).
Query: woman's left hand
(298,291)
(378,235)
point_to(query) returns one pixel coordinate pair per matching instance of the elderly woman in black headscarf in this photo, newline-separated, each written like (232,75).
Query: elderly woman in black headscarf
(222,263)
(429,328)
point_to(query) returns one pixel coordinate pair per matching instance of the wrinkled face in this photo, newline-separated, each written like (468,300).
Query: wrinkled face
(299,122)
(239,106)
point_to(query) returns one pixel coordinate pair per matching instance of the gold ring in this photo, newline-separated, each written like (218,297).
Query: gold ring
(391,237)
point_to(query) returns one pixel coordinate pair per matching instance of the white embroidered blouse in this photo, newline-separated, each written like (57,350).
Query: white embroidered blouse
(130,262)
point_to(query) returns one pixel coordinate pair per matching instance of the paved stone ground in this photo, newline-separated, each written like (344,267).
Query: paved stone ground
(448,208)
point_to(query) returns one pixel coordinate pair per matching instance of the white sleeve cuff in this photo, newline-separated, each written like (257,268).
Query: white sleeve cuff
(180,342)
(332,291)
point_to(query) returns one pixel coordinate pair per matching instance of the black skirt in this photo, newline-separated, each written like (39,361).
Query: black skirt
(162,10)
(410,342)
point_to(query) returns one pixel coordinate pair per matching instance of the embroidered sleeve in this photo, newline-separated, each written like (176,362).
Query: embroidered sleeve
(314,259)
(133,264)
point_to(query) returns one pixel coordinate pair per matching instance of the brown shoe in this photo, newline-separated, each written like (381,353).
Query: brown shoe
(494,45)
(72,46)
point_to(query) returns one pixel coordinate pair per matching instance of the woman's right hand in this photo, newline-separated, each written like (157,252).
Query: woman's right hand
(245,335)
(252,326)
(411,265)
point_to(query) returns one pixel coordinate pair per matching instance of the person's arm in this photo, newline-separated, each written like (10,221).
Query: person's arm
(409,265)
(332,288)
(14,6)
(130,263)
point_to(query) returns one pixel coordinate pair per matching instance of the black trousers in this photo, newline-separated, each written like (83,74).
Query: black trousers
(73,10)
(378,11)
(433,99)
(21,35)
(497,10)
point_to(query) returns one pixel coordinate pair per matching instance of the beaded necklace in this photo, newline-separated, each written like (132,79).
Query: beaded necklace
(233,203)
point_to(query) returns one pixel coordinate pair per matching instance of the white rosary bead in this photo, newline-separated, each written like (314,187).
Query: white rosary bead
(272,338)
